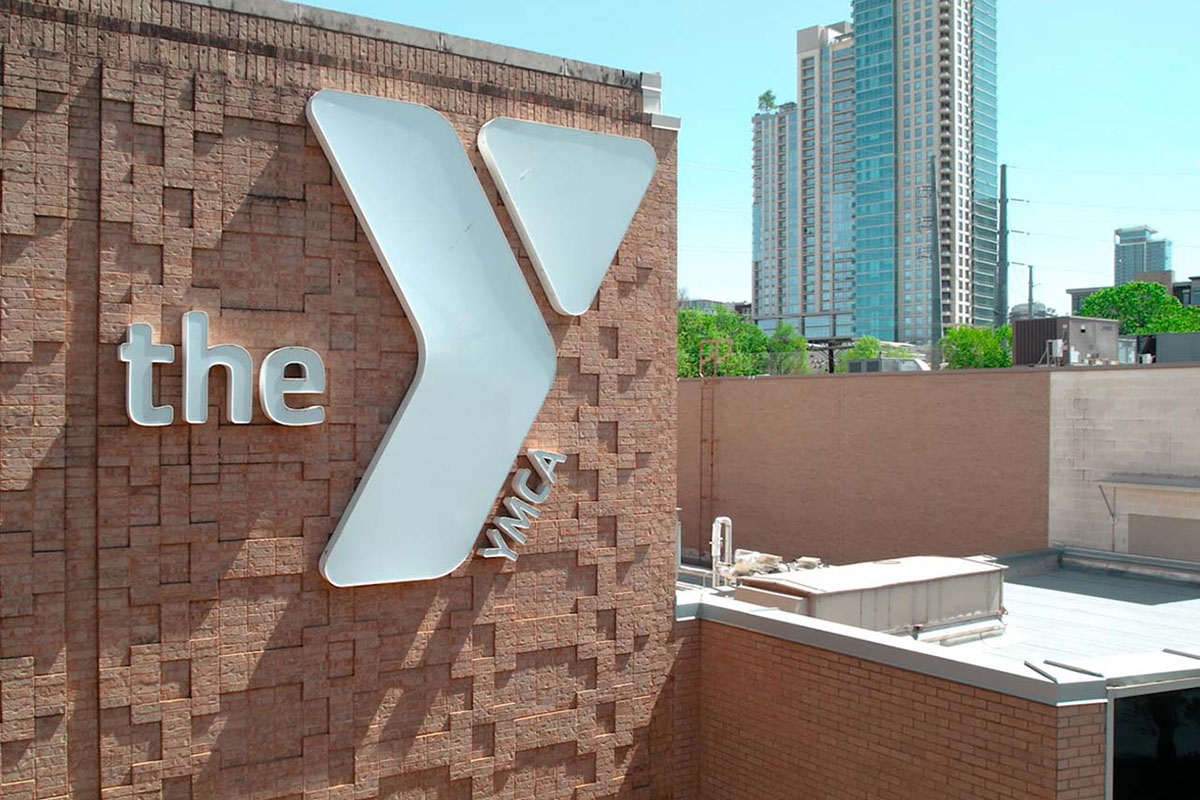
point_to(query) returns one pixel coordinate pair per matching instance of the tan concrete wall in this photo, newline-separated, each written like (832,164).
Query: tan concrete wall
(784,720)
(1132,423)
(859,467)
(164,631)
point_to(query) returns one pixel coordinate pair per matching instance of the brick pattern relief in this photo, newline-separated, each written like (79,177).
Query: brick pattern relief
(163,628)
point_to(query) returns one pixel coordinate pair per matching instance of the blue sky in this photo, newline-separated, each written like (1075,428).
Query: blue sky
(1099,114)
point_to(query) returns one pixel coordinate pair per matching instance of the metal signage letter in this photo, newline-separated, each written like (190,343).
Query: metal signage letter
(486,360)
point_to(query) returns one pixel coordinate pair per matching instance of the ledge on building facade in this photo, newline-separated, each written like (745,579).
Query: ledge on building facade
(1055,686)
(353,24)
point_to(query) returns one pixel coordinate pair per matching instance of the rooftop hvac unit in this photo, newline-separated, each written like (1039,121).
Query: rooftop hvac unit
(886,364)
(865,365)
(1057,341)
(898,595)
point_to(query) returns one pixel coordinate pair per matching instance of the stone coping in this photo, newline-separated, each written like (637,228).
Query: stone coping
(1055,687)
(356,25)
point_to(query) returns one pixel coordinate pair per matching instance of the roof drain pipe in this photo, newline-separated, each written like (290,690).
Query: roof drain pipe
(721,548)
(704,575)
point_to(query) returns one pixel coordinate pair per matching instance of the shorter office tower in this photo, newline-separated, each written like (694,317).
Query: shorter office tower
(1136,250)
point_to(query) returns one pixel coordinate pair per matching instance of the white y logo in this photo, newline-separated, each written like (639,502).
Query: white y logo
(486,360)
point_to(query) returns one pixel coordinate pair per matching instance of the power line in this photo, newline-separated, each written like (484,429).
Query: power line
(1101,205)
(1080,171)
(719,209)
(683,162)
(1098,240)
(706,249)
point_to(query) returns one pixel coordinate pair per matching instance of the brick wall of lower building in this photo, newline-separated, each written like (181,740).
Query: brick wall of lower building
(164,631)
(687,702)
(860,467)
(1081,757)
(783,720)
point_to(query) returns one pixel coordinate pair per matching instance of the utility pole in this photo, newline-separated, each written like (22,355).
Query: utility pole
(1002,254)
(935,266)
(1030,306)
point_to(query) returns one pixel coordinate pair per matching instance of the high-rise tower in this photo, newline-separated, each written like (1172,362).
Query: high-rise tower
(1136,250)
(776,291)
(927,188)
(825,162)
(897,171)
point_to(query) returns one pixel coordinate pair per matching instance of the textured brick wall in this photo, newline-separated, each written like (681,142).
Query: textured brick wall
(685,695)
(163,628)
(1080,756)
(783,720)
(860,467)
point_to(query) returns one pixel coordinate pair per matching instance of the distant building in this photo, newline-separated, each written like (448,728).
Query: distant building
(1021,311)
(1136,250)
(927,188)
(776,291)
(1079,295)
(825,80)
(1065,341)
(741,308)
(1187,291)
(876,193)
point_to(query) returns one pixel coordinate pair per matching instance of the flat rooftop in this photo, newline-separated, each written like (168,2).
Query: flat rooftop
(1073,616)
(1125,619)
(1076,622)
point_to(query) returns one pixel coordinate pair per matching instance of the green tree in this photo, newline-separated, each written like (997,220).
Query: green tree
(965,347)
(694,325)
(1142,307)
(766,101)
(787,352)
(865,347)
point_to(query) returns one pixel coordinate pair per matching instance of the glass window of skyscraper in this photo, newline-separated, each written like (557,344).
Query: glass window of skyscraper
(909,83)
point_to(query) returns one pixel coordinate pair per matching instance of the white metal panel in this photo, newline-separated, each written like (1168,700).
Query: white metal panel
(572,195)
(486,360)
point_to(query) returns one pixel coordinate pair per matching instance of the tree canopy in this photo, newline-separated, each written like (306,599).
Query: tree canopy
(766,101)
(753,352)
(965,347)
(868,347)
(1142,307)
(787,352)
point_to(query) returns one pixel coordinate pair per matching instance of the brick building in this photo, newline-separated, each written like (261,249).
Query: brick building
(164,631)
(164,628)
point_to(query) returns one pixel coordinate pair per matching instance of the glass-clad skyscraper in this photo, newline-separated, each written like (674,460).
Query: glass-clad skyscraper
(876,253)
(776,278)
(1136,250)
(919,233)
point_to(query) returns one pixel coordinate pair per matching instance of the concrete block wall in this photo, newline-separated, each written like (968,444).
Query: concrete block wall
(1128,422)
(163,628)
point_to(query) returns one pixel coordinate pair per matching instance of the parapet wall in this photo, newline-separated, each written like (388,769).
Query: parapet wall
(860,467)
(773,718)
